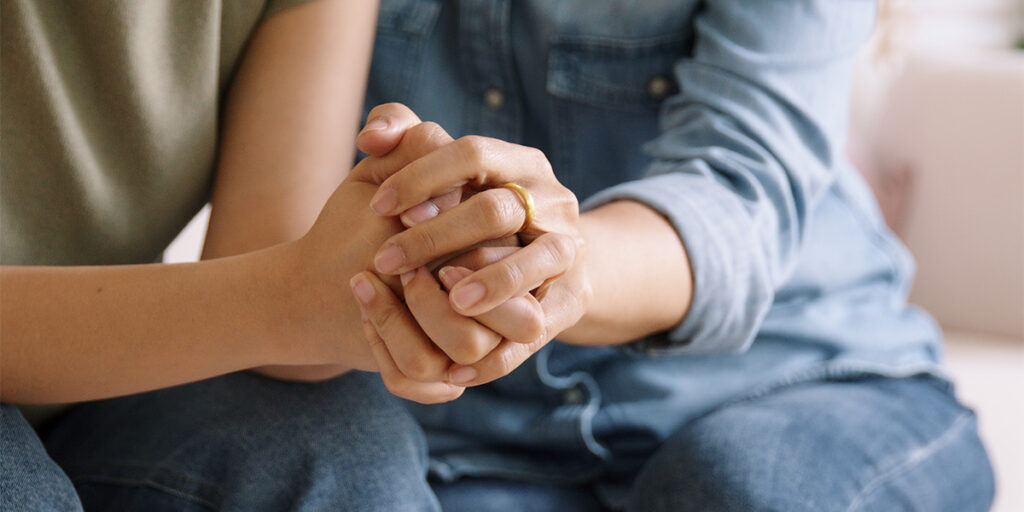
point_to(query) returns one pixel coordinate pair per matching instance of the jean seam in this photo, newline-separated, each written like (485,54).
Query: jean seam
(148,484)
(78,469)
(910,461)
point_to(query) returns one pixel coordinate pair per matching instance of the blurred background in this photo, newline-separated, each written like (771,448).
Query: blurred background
(937,129)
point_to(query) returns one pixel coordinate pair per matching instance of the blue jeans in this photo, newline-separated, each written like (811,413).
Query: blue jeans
(246,443)
(241,442)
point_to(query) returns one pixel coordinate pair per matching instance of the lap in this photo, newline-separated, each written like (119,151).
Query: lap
(873,444)
(493,495)
(244,442)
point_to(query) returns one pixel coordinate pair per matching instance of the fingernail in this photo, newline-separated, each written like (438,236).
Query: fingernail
(389,259)
(420,213)
(376,124)
(384,201)
(462,375)
(406,277)
(447,278)
(467,296)
(450,276)
(362,289)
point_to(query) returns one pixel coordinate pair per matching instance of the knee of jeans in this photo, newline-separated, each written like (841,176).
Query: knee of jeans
(251,442)
(718,465)
(347,422)
(824,447)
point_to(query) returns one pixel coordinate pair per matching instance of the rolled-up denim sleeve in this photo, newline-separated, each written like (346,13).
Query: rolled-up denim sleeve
(747,147)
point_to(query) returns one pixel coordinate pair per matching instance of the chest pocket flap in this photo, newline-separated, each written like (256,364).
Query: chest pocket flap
(621,74)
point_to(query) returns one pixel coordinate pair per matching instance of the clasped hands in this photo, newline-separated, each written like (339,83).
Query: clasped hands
(477,304)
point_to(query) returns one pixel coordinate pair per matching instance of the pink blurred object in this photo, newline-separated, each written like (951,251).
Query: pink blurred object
(892,185)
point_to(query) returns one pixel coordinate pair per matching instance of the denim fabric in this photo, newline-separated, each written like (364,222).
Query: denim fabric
(29,479)
(246,443)
(851,446)
(727,117)
(878,444)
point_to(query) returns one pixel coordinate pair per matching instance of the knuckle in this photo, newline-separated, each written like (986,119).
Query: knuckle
(383,318)
(508,361)
(570,204)
(473,148)
(540,161)
(533,327)
(581,293)
(560,248)
(428,135)
(469,349)
(509,276)
(421,368)
(497,211)
(418,240)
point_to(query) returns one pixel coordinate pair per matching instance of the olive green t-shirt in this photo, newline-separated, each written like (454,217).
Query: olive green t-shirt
(108,123)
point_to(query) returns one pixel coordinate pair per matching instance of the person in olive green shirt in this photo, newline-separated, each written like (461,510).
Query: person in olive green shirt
(119,120)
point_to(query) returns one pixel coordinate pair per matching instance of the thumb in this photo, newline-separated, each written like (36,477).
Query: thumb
(384,128)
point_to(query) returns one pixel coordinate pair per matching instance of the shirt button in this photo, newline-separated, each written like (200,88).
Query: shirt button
(494,98)
(658,87)
(572,396)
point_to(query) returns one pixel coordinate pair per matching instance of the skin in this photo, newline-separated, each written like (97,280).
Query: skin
(607,276)
(91,332)
(418,338)
(268,293)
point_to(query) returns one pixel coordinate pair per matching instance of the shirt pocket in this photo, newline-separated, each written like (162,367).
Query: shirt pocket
(403,28)
(605,95)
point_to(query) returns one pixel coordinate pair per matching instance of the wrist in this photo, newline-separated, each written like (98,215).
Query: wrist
(315,318)
(263,289)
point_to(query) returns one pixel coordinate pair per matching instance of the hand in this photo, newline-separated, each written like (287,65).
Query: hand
(415,343)
(348,233)
(551,264)
(339,244)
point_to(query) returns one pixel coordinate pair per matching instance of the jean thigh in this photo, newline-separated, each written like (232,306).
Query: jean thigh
(247,443)
(859,445)
(495,495)
(29,479)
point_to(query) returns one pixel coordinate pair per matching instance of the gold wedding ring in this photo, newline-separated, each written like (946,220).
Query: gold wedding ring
(527,199)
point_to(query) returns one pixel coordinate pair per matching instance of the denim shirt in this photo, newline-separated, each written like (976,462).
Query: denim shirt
(729,118)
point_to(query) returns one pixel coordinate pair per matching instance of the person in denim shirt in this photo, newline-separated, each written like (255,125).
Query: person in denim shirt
(780,387)
(795,377)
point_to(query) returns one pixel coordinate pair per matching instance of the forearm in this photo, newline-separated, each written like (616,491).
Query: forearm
(290,124)
(80,333)
(639,273)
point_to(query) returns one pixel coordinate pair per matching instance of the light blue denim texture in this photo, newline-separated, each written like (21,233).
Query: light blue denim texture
(876,444)
(246,443)
(29,479)
(730,119)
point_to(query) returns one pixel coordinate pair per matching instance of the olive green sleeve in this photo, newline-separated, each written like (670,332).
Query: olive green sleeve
(276,6)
